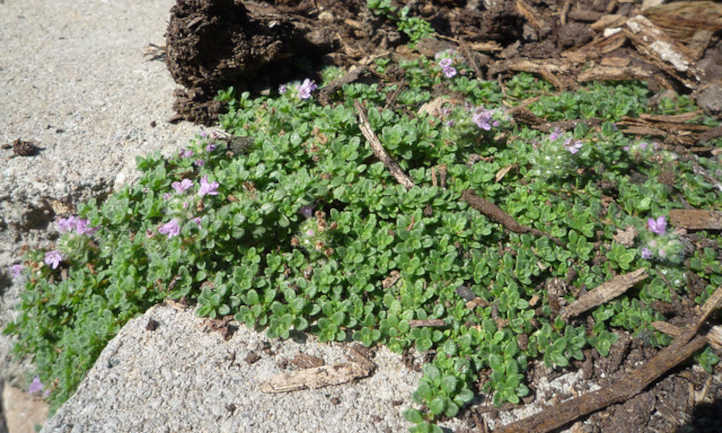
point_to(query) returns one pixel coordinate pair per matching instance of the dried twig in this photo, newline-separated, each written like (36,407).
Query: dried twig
(603,293)
(495,213)
(378,148)
(430,323)
(625,388)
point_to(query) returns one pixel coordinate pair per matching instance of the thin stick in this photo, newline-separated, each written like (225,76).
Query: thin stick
(495,213)
(378,148)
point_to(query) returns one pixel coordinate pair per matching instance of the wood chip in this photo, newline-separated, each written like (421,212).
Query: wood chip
(663,51)
(603,293)
(502,172)
(430,323)
(314,378)
(667,328)
(696,219)
(626,236)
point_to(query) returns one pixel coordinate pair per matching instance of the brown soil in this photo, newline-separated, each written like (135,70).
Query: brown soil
(255,46)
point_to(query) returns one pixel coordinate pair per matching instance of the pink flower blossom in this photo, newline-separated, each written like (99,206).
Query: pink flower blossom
(305,89)
(658,225)
(449,72)
(207,188)
(16,270)
(182,185)
(482,118)
(53,258)
(573,147)
(36,386)
(170,228)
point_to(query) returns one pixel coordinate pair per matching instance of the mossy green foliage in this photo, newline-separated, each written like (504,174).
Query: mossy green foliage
(306,227)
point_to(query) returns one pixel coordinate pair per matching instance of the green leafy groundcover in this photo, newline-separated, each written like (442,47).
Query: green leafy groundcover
(298,228)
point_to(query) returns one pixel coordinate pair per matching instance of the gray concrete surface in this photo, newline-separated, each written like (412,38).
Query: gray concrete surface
(74,80)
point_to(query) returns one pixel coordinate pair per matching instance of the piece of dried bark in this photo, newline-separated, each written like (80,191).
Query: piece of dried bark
(603,293)
(626,236)
(304,360)
(314,378)
(662,50)
(430,323)
(696,219)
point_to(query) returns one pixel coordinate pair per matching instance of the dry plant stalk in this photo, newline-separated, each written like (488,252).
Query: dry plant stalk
(603,293)
(495,213)
(379,150)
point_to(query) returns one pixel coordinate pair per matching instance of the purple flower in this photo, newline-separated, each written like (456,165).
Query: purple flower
(197,220)
(282,89)
(445,63)
(573,147)
(36,386)
(182,185)
(210,147)
(646,253)
(449,71)
(16,270)
(308,86)
(170,228)
(186,153)
(82,227)
(657,226)
(482,118)
(66,224)
(555,134)
(53,258)
(207,188)
(204,134)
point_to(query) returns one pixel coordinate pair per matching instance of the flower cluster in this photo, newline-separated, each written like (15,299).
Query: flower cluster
(446,59)
(555,155)
(448,70)
(484,118)
(313,232)
(659,244)
(73,223)
(181,204)
(53,258)
(303,91)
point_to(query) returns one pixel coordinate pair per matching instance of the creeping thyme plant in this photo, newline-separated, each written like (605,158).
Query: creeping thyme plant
(293,225)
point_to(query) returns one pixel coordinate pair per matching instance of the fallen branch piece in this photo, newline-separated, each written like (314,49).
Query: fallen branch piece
(379,150)
(495,213)
(625,388)
(325,375)
(696,219)
(431,323)
(314,378)
(603,293)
